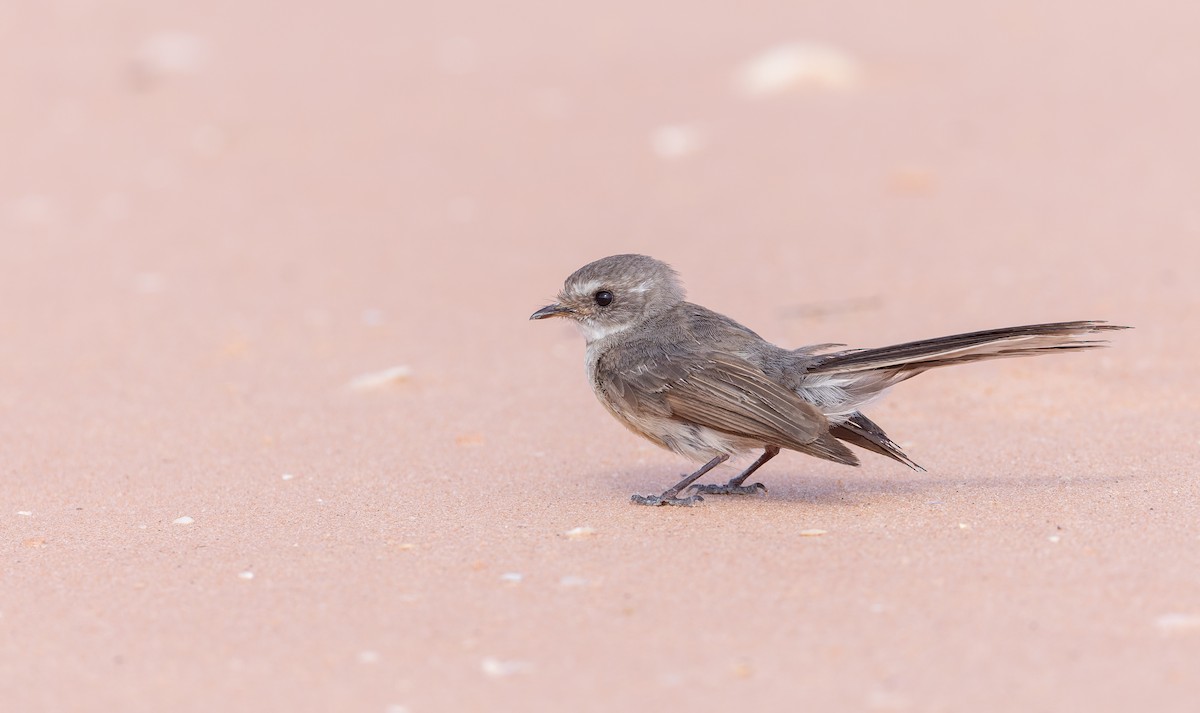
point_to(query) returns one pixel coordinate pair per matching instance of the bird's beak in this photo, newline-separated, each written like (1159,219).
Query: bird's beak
(554,310)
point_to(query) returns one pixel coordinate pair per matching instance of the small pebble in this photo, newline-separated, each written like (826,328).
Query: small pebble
(380,379)
(1178,623)
(495,668)
(168,53)
(25,513)
(1054,538)
(512,577)
(185,520)
(287,476)
(246,575)
(578,533)
(677,141)
(812,533)
(469,440)
(799,64)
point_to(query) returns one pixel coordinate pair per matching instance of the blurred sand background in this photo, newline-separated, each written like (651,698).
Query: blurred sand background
(214,217)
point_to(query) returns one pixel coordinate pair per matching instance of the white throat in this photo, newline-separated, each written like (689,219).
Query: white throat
(595,332)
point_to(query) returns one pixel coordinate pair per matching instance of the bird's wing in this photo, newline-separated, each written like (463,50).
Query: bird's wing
(720,391)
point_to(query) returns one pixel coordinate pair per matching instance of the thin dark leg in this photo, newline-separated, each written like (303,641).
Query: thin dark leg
(734,486)
(669,497)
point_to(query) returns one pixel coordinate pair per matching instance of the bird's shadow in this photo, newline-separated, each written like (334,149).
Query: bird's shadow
(840,488)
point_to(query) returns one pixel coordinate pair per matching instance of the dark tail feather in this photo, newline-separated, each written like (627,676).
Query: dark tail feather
(864,433)
(827,446)
(913,358)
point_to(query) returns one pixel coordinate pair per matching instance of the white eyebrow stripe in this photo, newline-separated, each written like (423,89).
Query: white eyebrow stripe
(587,288)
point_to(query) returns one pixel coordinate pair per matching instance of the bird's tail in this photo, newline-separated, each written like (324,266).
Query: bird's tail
(841,383)
(912,358)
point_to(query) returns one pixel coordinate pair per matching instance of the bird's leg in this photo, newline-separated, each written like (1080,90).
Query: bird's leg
(734,486)
(670,497)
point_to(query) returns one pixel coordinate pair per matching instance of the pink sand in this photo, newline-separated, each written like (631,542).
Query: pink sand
(215,216)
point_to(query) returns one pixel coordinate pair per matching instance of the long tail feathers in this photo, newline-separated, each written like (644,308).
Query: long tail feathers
(920,356)
(842,382)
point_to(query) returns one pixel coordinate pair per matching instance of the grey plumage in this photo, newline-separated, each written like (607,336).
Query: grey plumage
(704,386)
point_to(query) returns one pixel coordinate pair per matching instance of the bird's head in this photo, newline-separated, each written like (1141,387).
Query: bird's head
(615,293)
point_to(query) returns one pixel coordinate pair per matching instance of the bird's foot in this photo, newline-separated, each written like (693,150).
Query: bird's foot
(728,489)
(666,499)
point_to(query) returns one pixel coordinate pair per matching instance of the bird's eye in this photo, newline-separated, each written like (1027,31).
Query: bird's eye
(604,298)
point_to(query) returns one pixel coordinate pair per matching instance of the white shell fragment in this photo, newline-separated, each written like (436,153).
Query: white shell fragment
(495,668)
(185,520)
(380,379)
(1178,623)
(169,53)
(799,64)
(578,533)
(677,141)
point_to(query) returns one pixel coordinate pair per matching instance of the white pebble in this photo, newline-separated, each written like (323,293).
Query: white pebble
(812,533)
(185,520)
(287,476)
(495,668)
(380,379)
(799,64)
(246,575)
(172,53)
(1178,623)
(25,513)
(577,533)
(1055,538)
(512,577)
(677,141)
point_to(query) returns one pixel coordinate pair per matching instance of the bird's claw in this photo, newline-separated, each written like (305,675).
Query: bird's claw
(727,489)
(666,500)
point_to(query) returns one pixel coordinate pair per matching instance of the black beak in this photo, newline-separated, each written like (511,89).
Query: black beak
(554,310)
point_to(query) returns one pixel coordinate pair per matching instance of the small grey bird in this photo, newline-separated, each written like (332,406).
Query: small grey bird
(702,385)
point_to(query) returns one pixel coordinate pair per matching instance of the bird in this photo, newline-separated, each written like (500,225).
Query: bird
(703,386)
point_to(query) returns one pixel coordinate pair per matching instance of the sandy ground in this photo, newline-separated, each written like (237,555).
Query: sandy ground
(214,217)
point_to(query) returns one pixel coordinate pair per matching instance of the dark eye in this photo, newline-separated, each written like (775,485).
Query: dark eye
(604,298)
